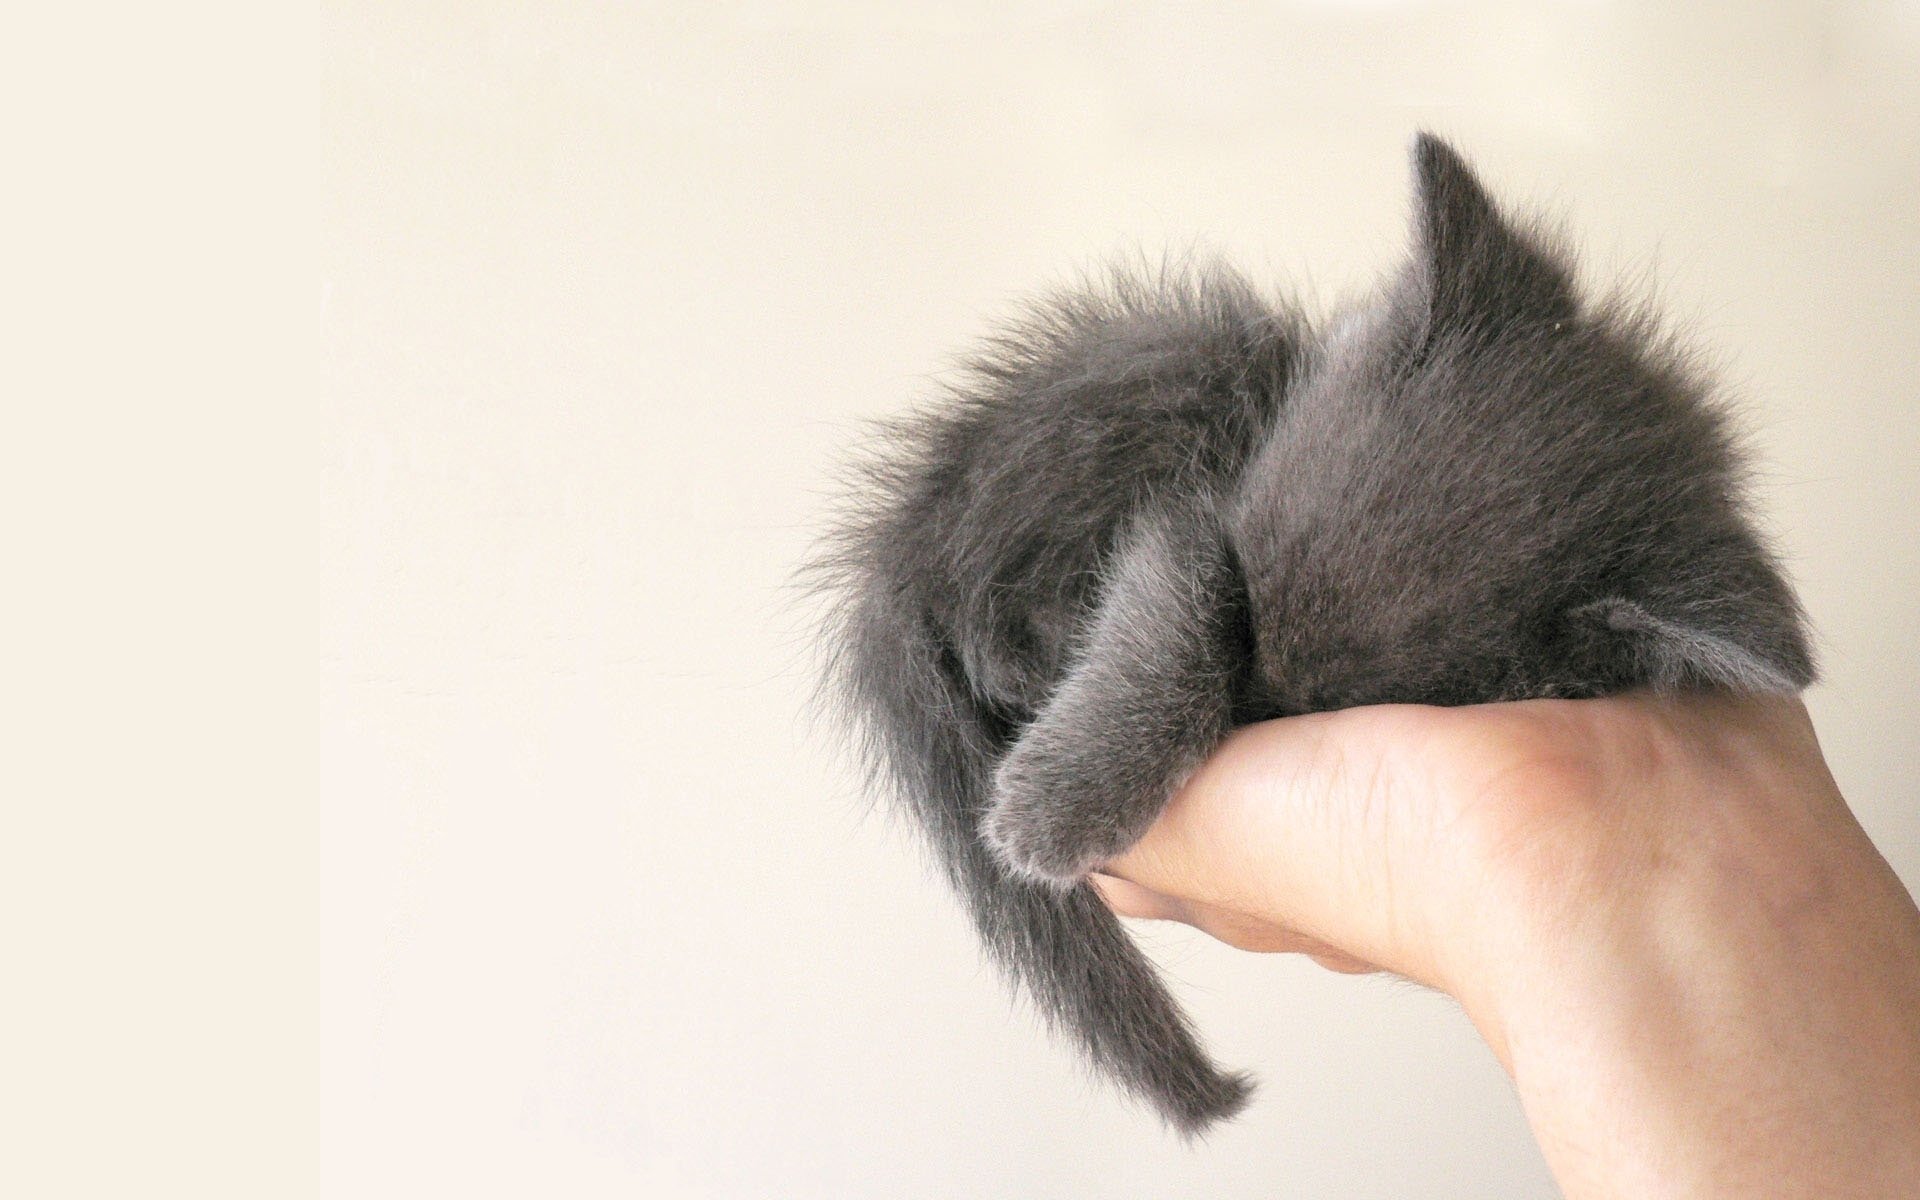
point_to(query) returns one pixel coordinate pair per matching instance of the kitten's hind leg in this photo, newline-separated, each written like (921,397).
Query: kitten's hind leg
(1149,696)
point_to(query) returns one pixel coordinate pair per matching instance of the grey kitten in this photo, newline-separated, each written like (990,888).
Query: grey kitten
(1161,508)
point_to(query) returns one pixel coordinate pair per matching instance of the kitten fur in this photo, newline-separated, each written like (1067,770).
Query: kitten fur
(1164,506)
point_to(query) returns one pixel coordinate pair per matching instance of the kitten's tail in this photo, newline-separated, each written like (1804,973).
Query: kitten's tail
(926,734)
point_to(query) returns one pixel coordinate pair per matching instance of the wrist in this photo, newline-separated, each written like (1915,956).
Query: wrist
(1661,939)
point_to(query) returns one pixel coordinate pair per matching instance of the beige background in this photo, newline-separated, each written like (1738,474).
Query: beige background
(607,290)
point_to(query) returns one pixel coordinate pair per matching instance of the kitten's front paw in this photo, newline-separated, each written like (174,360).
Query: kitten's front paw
(1051,824)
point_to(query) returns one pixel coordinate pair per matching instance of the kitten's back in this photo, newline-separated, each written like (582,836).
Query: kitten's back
(1144,385)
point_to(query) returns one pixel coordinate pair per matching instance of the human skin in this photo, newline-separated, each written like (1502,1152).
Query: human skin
(1658,911)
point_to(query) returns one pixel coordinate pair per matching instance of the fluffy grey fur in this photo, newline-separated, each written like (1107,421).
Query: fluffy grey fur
(1163,507)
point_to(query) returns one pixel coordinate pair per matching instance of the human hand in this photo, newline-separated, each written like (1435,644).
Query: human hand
(1358,837)
(1658,911)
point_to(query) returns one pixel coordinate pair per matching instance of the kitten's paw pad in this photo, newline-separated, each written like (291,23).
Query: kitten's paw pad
(1049,827)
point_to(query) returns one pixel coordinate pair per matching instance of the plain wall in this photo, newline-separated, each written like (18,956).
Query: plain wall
(610,289)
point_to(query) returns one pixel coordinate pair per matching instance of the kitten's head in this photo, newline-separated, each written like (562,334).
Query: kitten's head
(1483,488)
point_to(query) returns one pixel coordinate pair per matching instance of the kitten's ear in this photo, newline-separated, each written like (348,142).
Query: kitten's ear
(1669,653)
(1471,266)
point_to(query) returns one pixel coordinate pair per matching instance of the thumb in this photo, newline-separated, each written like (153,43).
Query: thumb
(1313,834)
